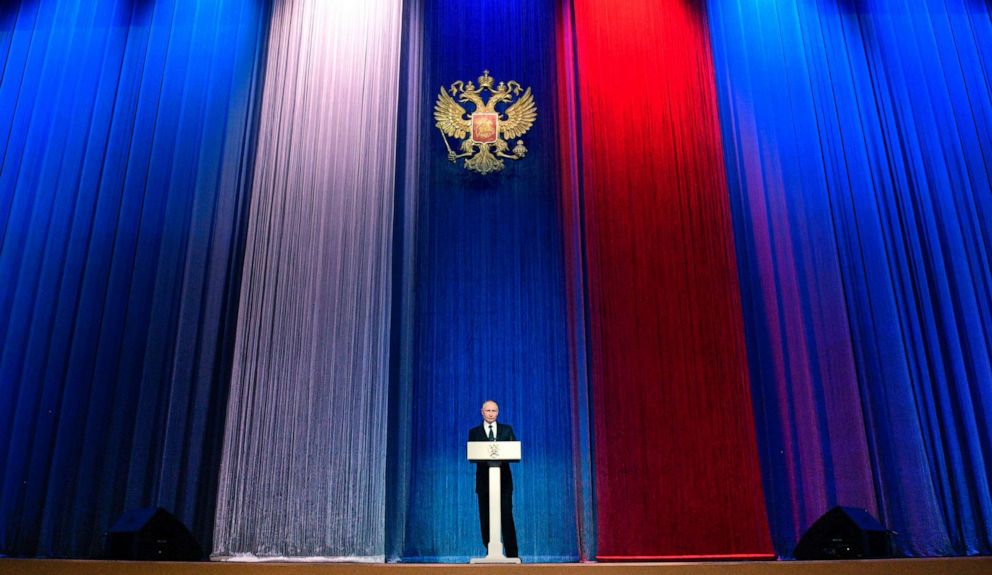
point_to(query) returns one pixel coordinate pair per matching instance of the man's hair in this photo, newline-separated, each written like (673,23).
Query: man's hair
(489,401)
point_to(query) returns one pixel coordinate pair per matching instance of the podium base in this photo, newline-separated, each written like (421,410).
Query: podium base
(496,559)
(494,554)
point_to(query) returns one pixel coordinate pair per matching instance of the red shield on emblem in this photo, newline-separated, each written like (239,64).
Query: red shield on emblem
(484,128)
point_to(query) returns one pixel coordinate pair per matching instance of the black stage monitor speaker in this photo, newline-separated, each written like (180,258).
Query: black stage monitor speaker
(845,533)
(151,534)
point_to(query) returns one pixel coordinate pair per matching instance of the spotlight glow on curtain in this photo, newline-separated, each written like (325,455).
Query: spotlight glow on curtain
(488,309)
(859,143)
(123,132)
(304,455)
(676,462)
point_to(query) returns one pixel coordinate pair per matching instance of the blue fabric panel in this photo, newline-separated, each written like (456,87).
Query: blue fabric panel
(857,138)
(124,127)
(489,312)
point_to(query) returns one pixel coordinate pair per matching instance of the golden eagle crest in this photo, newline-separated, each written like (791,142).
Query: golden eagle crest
(487,128)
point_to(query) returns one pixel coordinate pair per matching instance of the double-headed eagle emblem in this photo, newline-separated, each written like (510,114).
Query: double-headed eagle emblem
(487,128)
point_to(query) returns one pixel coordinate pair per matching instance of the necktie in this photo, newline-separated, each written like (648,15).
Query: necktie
(491,436)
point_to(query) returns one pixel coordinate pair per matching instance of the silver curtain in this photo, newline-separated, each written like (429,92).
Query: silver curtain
(303,471)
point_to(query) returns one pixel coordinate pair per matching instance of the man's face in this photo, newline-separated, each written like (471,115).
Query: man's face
(489,411)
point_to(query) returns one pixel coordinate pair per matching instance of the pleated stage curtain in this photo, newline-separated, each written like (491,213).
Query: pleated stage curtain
(484,314)
(858,139)
(676,463)
(303,472)
(742,274)
(124,131)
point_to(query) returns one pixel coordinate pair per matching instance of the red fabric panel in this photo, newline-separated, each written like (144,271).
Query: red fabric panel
(676,459)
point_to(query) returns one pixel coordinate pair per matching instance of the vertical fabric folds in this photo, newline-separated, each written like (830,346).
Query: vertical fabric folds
(858,140)
(303,472)
(488,312)
(125,134)
(676,461)
(240,278)
(573,241)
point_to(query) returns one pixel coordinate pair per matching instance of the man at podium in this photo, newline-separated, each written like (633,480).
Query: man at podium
(492,431)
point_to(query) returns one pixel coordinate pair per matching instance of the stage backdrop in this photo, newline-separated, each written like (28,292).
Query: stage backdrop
(304,454)
(675,454)
(125,131)
(858,138)
(486,314)
(592,288)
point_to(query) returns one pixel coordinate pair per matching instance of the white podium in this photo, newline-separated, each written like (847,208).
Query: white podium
(494,452)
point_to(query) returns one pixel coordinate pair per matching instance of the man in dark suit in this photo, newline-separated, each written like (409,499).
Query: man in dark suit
(491,431)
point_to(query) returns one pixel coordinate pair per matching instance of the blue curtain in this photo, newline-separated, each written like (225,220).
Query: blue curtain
(858,137)
(125,139)
(485,301)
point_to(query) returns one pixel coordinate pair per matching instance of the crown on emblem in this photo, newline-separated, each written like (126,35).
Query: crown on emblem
(485,81)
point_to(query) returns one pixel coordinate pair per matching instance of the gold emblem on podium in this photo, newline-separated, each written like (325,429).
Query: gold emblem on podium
(484,133)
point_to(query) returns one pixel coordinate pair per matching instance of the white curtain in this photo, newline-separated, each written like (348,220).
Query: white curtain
(303,471)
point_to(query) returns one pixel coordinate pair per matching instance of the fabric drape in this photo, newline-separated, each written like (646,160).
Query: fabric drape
(742,275)
(573,241)
(487,316)
(124,132)
(303,472)
(857,139)
(675,454)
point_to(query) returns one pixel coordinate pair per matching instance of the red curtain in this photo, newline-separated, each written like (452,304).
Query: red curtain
(676,460)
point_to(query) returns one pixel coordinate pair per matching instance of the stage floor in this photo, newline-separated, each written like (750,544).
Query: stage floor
(943,566)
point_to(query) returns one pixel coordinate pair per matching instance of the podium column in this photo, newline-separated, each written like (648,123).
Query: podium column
(492,452)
